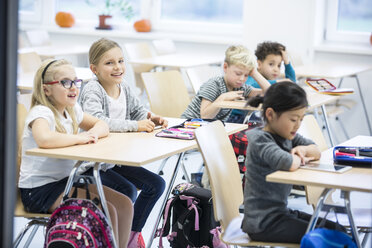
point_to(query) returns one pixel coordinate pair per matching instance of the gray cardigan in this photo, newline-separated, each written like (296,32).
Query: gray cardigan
(94,100)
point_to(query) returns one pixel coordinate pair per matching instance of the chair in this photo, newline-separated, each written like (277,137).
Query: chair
(29,61)
(35,219)
(164,46)
(136,51)
(227,193)
(201,74)
(167,92)
(38,38)
(25,100)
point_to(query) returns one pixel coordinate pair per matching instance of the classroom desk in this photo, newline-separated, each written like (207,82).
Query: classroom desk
(356,179)
(178,60)
(315,100)
(25,81)
(336,71)
(56,50)
(134,149)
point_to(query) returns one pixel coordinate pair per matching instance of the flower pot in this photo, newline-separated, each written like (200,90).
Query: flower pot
(102,22)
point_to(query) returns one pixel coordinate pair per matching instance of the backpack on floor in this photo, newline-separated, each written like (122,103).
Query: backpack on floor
(188,219)
(78,223)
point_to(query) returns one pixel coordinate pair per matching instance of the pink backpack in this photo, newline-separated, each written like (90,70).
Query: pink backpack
(78,223)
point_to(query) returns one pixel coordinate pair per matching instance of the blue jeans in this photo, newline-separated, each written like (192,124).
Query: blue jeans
(126,180)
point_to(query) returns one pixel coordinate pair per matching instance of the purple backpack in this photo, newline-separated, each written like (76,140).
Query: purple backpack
(78,223)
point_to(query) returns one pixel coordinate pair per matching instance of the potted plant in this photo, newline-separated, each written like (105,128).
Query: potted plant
(111,6)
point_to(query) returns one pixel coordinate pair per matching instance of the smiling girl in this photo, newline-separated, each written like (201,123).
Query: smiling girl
(53,121)
(110,99)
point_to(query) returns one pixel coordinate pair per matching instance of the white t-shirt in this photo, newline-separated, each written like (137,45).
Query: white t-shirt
(37,171)
(118,107)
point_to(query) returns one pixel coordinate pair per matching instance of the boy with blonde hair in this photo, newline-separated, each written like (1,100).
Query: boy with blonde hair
(238,65)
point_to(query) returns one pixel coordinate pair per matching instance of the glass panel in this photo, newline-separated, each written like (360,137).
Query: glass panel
(355,16)
(93,8)
(27,5)
(217,11)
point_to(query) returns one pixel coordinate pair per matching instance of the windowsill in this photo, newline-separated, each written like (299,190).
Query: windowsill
(347,48)
(122,33)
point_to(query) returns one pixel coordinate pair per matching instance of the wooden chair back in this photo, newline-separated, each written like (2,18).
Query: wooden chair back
(201,74)
(139,50)
(223,171)
(167,92)
(29,61)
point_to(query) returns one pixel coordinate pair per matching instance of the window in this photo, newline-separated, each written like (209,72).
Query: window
(349,20)
(93,8)
(203,16)
(30,10)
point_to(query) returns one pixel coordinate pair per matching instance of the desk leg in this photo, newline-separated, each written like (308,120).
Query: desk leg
(324,112)
(70,180)
(169,189)
(363,104)
(354,231)
(97,178)
(317,210)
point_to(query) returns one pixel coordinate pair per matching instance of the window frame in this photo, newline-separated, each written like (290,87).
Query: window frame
(331,32)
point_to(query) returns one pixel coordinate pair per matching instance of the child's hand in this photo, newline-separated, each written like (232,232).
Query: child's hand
(158,120)
(232,95)
(301,152)
(145,125)
(285,56)
(86,138)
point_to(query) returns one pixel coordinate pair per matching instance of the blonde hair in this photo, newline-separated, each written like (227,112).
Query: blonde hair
(46,73)
(240,56)
(99,47)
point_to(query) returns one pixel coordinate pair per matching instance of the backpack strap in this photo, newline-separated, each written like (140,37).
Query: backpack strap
(191,205)
(166,225)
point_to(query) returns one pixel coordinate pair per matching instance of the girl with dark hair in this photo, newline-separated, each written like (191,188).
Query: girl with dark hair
(277,146)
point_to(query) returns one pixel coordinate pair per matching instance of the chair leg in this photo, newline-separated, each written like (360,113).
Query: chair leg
(30,238)
(36,224)
(342,127)
(161,167)
(185,175)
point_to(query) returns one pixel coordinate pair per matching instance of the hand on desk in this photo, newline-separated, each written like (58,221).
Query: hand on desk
(149,124)
(87,138)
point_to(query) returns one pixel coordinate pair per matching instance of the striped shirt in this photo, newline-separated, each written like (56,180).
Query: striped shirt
(210,91)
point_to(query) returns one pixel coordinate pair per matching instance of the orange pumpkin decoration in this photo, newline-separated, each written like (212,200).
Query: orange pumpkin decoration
(65,19)
(143,25)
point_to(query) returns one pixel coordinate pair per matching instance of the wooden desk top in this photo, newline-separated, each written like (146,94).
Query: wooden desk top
(315,100)
(356,179)
(331,70)
(57,50)
(133,148)
(25,81)
(178,60)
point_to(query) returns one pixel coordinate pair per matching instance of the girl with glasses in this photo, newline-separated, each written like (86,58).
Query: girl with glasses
(52,122)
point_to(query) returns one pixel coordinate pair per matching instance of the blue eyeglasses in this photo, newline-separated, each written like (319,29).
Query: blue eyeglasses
(66,83)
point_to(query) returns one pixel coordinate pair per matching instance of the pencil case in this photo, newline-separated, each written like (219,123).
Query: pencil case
(353,155)
(185,130)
